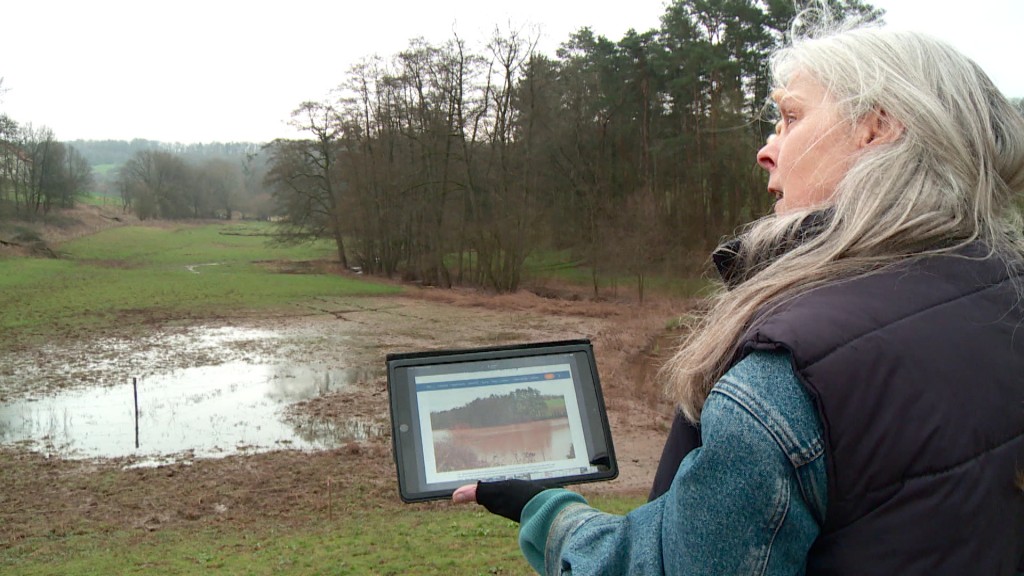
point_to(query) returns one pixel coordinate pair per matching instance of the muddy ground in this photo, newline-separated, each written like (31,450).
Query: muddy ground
(45,496)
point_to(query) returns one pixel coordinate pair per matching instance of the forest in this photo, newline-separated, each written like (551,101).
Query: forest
(452,166)
(38,173)
(516,407)
(447,164)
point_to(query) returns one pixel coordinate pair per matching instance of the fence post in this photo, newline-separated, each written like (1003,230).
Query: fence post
(135,390)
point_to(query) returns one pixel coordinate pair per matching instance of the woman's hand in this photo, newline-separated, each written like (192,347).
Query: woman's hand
(505,498)
(464,494)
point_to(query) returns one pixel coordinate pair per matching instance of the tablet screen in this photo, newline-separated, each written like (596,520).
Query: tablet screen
(533,411)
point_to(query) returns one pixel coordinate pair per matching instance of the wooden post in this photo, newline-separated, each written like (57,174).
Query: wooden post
(135,390)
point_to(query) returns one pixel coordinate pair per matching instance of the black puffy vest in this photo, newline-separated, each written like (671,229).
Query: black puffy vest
(918,376)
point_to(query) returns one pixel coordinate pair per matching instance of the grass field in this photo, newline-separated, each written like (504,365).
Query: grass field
(165,271)
(134,275)
(99,200)
(104,169)
(187,270)
(562,266)
(430,540)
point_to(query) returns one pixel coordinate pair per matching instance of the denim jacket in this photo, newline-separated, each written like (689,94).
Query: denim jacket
(751,500)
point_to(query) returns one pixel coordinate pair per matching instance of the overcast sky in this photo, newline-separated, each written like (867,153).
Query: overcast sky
(227,70)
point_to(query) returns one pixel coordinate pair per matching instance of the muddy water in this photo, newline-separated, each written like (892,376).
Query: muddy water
(194,392)
(503,445)
(202,411)
(312,377)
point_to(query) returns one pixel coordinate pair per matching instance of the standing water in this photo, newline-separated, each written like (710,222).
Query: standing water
(203,412)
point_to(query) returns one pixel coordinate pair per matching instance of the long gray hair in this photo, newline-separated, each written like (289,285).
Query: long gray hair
(954,175)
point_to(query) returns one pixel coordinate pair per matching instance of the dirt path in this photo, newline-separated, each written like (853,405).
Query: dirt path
(50,496)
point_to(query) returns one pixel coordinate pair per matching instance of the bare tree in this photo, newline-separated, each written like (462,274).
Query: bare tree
(502,217)
(219,186)
(306,178)
(155,183)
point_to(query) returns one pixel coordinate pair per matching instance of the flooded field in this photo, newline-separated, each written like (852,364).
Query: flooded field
(307,381)
(256,419)
(466,448)
(262,433)
(189,392)
(205,411)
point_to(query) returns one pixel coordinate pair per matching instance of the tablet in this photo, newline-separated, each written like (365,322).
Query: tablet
(531,411)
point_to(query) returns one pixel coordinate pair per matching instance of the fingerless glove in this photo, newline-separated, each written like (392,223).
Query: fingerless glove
(507,497)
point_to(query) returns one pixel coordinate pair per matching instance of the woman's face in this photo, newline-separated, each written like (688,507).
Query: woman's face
(812,147)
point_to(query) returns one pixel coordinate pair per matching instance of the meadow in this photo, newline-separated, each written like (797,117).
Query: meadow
(160,272)
(272,513)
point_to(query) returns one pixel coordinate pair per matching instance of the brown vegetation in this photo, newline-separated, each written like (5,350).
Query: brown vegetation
(50,496)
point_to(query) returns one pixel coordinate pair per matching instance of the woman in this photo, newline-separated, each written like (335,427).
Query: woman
(860,389)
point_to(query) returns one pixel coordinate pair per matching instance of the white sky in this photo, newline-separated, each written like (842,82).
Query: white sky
(229,70)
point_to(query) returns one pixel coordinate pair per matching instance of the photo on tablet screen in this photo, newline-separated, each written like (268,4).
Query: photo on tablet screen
(494,423)
(520,427)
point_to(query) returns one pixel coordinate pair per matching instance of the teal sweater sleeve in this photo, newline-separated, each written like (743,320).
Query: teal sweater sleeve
(537,517)
(744,503)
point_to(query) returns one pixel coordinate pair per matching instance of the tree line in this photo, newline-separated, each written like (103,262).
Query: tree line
(517,407)
(117,152)
(451,166)
(38,173)
(159,183)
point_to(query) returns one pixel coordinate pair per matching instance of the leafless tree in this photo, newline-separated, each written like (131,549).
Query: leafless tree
(156,184)
(306,178)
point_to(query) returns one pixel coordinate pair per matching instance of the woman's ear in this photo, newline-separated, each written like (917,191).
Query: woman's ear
(877,127)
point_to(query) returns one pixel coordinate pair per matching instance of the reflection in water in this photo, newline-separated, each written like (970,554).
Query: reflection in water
(318,430)
(205,411)
(528,442)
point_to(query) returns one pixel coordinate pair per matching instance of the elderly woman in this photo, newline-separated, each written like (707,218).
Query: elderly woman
(860,388)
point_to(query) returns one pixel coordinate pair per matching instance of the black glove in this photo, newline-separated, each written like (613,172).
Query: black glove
(507,497)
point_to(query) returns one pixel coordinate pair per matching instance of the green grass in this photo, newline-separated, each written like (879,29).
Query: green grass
(97,200)
(562,266)
(183,271)
(419,539)
(555,404)
(104,169)
(103,279)
(230,243)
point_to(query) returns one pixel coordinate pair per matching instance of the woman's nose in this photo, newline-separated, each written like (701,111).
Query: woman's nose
(766,155)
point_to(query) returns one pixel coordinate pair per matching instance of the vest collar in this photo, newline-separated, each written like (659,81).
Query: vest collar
(736,267)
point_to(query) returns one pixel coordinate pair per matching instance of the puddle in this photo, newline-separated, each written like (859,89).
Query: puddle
(192,267)
(208,411)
